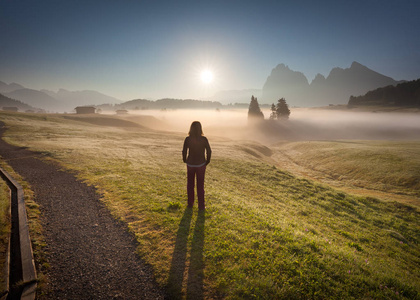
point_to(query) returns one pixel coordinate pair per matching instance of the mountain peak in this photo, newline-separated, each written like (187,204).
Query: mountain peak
(319,79)
(7,88)
(281,70)
(356,65)
(282,66)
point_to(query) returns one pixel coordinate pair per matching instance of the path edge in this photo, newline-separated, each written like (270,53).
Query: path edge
(29,275)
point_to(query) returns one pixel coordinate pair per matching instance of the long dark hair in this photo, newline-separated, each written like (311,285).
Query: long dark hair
(195,130)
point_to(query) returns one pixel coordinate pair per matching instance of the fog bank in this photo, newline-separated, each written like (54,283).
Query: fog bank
(303,124)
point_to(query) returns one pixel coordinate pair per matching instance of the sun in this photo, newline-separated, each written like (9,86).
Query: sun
(206,76)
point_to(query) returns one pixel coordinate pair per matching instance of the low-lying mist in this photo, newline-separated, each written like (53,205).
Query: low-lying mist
(303,124)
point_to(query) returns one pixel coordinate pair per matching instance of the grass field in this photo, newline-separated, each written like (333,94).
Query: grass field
(4,230)
(386,169)
(265,233)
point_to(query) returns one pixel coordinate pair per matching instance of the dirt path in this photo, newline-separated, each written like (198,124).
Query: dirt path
(92,256)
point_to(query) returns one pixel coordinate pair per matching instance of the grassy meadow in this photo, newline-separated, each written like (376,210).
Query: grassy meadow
(266,233)
(386,169)
(4,230)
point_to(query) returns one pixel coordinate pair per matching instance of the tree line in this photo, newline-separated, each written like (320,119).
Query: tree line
(403,94)
(279,111)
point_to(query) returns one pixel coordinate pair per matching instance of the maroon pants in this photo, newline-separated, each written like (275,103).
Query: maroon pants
(192,173)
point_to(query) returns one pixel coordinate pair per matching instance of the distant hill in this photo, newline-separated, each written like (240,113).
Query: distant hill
(403,94)
(335,89)
(7,88)
(8,102)
(61,101)
(140,104)
(236,96)
(35,98)
(187,103)
(71,99)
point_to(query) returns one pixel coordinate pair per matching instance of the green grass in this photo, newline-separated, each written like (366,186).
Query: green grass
(265,234)
(386,166)
(4,231)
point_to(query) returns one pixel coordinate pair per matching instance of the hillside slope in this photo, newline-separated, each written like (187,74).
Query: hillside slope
(404,94)
(8,102)
(35,98)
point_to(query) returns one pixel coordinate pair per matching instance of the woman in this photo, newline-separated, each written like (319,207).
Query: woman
(193,154)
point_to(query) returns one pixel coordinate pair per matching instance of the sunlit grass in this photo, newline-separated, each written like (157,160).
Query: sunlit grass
(4,231)
(265,233)
(386,166)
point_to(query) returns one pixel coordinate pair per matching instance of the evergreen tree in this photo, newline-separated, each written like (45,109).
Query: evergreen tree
(282,109)
(273,115)
(254,110)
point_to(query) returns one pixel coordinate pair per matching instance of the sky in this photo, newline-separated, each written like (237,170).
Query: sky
(152,49)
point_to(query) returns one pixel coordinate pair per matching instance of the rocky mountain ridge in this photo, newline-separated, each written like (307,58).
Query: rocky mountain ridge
(336,88)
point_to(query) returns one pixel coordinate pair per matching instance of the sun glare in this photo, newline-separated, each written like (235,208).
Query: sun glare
(206,76)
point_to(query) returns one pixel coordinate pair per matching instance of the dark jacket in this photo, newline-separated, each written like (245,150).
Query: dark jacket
(193,151)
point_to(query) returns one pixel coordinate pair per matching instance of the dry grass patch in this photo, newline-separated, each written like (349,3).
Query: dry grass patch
(4,230)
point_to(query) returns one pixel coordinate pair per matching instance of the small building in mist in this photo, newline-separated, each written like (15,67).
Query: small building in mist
(10,108)
(85,110)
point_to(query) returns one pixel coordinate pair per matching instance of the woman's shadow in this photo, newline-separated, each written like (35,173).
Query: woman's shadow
(195,289)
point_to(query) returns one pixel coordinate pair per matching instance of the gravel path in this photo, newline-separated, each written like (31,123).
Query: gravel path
(92,256)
